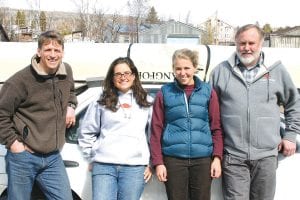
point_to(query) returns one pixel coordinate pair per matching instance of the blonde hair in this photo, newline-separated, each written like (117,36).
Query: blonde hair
(185,53)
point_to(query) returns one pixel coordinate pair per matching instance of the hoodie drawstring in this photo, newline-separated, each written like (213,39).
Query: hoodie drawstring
(267,75)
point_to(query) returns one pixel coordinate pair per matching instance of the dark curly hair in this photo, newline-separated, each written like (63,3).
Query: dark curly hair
(109,97)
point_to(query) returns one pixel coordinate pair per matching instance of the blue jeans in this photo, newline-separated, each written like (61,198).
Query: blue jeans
(117,182)
(24,168)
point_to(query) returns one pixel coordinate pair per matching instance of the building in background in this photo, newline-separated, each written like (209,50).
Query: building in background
(171,32)
(218,31)
(288,37)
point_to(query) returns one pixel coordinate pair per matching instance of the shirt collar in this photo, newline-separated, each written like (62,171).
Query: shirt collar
(129,92)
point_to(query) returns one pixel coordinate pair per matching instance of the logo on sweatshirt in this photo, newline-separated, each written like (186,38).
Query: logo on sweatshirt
(267,76)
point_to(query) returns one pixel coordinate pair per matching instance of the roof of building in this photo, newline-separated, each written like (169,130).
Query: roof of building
(289,31)
(158,26)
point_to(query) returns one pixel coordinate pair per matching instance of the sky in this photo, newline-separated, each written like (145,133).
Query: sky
(278,13)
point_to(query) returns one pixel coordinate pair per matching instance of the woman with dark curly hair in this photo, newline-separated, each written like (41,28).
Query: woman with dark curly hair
(114,135)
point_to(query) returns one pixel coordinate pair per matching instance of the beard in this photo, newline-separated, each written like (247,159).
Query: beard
(249,60)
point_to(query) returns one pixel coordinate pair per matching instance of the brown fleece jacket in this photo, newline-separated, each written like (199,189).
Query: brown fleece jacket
(33,107)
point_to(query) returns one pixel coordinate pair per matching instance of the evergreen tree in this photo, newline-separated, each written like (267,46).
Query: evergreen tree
(152,17)
(267,29)
(33,25)
(20,19)
(23,19)
(43,21)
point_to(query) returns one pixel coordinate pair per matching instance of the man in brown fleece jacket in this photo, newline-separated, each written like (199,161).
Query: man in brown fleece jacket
(36,105)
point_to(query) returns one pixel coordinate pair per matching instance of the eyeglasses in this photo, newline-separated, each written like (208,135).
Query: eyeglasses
(125,74)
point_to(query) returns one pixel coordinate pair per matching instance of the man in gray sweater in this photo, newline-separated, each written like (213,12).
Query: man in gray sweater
(251,90)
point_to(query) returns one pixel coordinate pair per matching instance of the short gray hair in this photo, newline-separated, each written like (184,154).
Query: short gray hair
(247,27)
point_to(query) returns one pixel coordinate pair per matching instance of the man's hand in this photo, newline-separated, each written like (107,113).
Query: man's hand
(17,147)
(70,117)
(288,147)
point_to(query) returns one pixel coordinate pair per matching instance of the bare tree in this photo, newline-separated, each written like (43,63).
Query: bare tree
(98,25)
(64,28)
(34,14)
(92,19)
(208,37)
(2,12)
(187,19)
(138,10)
(114,26)
(83,11)
(50,21)
(5,24)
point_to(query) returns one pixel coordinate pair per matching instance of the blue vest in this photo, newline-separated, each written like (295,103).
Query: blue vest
(187,130)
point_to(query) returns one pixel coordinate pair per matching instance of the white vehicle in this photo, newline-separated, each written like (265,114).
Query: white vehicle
(154,64)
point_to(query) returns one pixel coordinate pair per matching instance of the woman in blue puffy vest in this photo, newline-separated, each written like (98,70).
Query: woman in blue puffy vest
(186,141)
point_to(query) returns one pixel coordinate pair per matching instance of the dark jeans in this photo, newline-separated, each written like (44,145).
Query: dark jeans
(188,179)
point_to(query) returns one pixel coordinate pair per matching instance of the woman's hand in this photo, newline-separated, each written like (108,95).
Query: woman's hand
(215,168)
(161,173)
(147,173)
